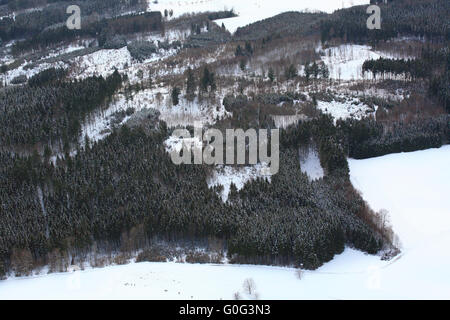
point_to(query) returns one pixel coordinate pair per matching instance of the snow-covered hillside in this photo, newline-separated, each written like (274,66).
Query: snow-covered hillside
(347,107)
(345,61)
(411,186)
(251,10)
(226,175)
(310,163)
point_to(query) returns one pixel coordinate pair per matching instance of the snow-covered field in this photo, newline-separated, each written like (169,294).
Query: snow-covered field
(345,61)
(286,121)
(211,282)
(249,11)
(413,187)
(21,70)
(310,163)
(226,175)
(348,107)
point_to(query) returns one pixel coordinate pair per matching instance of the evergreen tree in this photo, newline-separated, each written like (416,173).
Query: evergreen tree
(207,80)
(239,52)
(190,85)
(175,95)
(271,74)
(243,64)
(291,72)
(248,48)
(315,70)
(323,70)
(307,71)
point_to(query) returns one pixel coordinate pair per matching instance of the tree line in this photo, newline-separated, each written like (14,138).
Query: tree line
(49,109)
(423,18)
(433,65)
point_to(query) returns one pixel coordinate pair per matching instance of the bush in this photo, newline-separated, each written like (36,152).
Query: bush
(19,79)
(154,254)
(198,257)
(47,76)
(141,50)
(231,103)
(115,42)
(21,262)
(2,270)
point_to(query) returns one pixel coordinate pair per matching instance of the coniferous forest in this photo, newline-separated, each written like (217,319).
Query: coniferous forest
(128,181)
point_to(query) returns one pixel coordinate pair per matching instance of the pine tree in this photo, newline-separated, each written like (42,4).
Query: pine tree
(239,52)
(212,81)
(271,74)
(190,85)
(175,95)
(2,270)
(315,70)
(243,65)
(324,72)
(248,48)
(291,72)
(204,81)
(208,80)
(307,71)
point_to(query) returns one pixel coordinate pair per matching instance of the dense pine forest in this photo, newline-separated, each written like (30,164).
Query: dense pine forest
(128,180)
(400,18)
(48,110)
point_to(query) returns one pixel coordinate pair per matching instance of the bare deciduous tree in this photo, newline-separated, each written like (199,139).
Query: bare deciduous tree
(249,286)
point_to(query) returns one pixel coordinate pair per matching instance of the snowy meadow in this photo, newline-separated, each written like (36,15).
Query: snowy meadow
(410,186)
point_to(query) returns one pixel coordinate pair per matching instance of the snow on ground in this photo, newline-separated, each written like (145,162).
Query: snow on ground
(161,281)
(207,111)
(249,11)
(398,95)
(286,121)
(346,107)
(310,163)
(412,186)
(103,62)
(67,49)
(418,185)
(226,175)
(345,61)
(184,114)
(98,125)
(176,144)
(21,70)
(170,35)
(6,59)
